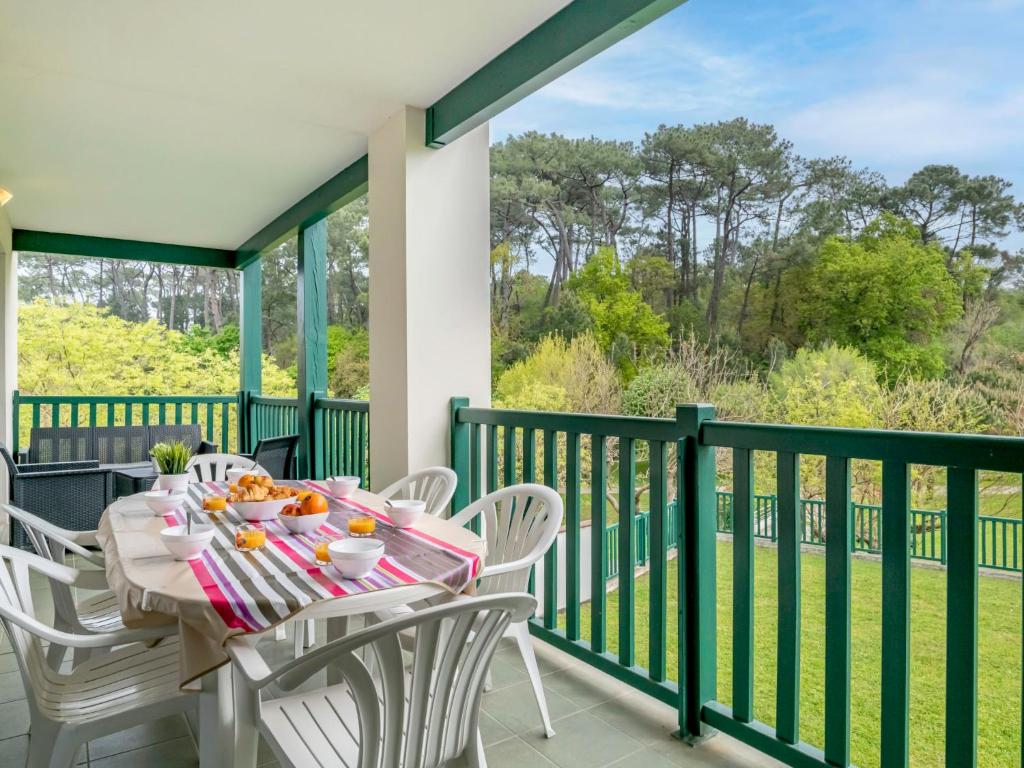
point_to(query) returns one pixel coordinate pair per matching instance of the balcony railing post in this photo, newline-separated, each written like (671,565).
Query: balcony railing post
(459,457)
(696,554)
(15,424)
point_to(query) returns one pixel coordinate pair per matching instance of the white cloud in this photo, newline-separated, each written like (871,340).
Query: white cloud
(906,122)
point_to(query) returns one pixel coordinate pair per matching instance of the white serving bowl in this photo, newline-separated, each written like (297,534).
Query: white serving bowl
(260,511)
(405,512)
(237,473)
(187,546)
(342,486)
(164,502)
(303,523)
(355,558)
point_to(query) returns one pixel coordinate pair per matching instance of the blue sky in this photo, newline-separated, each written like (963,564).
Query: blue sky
(891,85)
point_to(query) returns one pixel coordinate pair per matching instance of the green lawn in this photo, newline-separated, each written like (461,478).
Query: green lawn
(999,640)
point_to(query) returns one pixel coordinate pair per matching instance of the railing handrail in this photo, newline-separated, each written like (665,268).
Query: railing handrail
(119,399)
(606,425)
(342,404)
(273,400)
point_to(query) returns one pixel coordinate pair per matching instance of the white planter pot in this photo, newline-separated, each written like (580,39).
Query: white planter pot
(172,482)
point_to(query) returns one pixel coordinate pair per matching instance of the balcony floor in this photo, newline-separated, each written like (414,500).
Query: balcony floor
(599,722)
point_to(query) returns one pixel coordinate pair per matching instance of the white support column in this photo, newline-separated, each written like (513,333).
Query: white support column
(430,330)
(8,349)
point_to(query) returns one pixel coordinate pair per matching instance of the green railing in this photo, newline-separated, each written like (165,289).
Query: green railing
(1000,539)
(342,432)
(217,415)
(272,417)
(494,448)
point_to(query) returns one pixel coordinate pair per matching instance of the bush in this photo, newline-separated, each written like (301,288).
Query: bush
(832,386)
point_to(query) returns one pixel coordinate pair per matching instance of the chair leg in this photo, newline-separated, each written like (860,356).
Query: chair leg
(475,757)
(55,655)
(48,747)
(280,632)
(298,637)
(81,655)
(488,681)
(522,635)
(64,750)
(310,638)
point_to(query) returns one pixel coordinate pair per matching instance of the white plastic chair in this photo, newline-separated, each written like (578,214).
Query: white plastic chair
(213,467)
(434,485)
(98,614)
(394,718)
(113,692)
(520,524)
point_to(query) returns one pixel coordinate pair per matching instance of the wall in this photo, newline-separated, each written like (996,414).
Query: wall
(8,347)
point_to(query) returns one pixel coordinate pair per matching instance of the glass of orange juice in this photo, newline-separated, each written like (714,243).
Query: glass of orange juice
(249,537)
(320,551)
(362,524)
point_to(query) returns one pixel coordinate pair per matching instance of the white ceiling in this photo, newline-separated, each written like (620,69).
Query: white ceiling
(197,122)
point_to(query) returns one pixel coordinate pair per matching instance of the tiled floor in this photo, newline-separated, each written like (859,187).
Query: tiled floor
(598,722)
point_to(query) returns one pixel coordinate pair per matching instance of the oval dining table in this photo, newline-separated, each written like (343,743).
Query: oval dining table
(239,598)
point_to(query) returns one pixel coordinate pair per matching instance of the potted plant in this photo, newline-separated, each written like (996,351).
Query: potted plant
(171,461)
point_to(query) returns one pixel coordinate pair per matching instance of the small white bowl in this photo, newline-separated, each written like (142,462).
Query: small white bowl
(187,546)
(164,502)
(237,473)
(260,511)
(355,558)
(343,486)
(303,523)
(405,512)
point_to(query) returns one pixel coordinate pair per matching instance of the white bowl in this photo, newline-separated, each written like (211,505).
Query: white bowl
(343,486)
(237,473)
(187,546)
(405,512)
(164,502)
(303,523)
(355,558)
(260,511)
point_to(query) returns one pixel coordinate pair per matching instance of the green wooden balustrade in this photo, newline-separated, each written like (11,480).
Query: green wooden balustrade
(217,415)
(676,457)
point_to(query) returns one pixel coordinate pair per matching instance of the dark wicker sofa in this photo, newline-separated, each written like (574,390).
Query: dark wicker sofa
(65,476)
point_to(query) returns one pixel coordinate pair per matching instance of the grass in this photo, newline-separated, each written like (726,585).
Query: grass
(999,663)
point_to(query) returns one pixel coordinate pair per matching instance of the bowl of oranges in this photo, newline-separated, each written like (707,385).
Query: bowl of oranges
(257,499)
(307,513)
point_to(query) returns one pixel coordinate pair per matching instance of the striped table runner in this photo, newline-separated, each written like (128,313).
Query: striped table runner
(253,591)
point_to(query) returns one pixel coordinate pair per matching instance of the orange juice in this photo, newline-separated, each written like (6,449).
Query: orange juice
(323,557)
(249,537)
(362,525)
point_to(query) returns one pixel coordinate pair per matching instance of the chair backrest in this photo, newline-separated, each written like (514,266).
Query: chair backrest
(520,523)
(52,444)
(277,456)
(426,717)
(12,468)
(205,467)
(189,434)
(119,444)
(17,613)
(435,485)
(53,543)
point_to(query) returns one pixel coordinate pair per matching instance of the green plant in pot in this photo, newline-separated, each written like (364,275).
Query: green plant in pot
(172,464)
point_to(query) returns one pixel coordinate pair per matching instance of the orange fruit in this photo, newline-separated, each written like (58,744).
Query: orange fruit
(215,503)
(314,504)
(291,510)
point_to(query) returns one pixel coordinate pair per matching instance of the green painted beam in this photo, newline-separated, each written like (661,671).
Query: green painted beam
(579,31)
(111,248)
(337,192)
(311,381)
(250,351)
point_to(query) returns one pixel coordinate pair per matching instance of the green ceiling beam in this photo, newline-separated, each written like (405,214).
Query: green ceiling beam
(579,31)
(337,192)
(110,248)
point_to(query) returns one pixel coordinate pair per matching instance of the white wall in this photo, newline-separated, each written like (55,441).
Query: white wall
(429,290)
(8,347)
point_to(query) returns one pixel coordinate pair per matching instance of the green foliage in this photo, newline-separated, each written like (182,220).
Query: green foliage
(348,360)
(198,340)
(618,312)
(171,458)
(886,294)
(561,375)
(832,386)
(82,350)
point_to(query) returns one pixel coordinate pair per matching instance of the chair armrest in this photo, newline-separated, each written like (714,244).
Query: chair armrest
(94,579)
(57,466)
(92,640)
(62,473)
(86,539)
(22,457)
(509,567)
(247,456)
(248,661)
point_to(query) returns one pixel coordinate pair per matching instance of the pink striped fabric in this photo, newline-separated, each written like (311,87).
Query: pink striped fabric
(253,591)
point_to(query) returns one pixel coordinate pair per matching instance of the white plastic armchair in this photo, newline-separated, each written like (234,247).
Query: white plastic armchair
(393,718)
(119,690)
(97,614)
(434,485)
(520,524)
(207,467)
